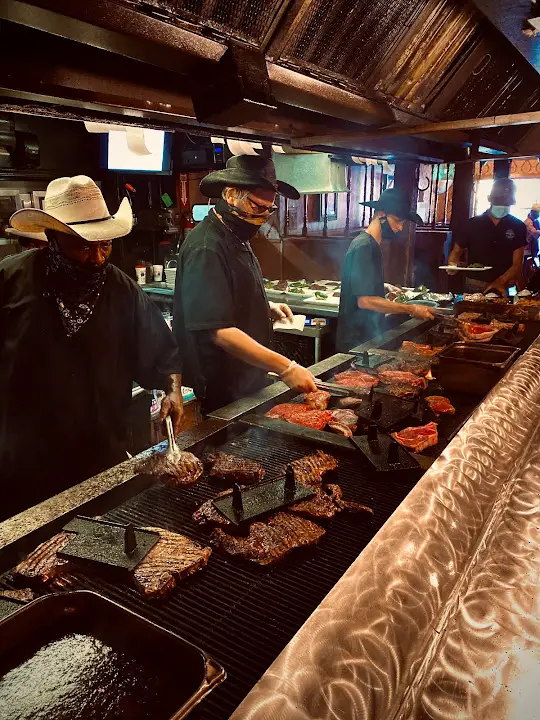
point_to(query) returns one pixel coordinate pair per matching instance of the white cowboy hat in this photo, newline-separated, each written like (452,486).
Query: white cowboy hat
(76,206)
(30,235)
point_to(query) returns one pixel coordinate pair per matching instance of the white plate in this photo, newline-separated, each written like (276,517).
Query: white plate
(465,269)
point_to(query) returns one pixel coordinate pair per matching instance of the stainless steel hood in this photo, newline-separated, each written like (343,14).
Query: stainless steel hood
(312,174)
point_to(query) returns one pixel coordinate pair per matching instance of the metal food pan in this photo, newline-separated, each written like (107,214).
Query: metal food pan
(79,654)
(473,367)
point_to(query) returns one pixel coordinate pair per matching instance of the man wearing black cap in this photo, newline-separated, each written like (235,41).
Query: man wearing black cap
(363,305)
(222,317)
(494,239)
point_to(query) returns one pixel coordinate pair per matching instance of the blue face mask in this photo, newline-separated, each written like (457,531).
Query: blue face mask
(500,211)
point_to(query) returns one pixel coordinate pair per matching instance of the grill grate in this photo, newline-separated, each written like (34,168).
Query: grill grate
(243,615)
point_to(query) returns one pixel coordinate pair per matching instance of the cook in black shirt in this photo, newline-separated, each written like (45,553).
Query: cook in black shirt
(221,313)
(75,333)
(495,239)
(362,302)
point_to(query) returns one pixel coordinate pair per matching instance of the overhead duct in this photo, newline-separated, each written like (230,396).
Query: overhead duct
(311,174)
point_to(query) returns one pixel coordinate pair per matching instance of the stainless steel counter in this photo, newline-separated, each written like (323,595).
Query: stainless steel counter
(439,616)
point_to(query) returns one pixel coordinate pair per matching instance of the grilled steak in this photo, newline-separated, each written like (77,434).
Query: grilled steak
(403,378)
(356,379)
(418,438)
(405,392)
(173,558)
(317,400)
(24,595)
(208,514)
(336,493)
(269,542)
(415,365)
(350,402)
(301,415)
(476,332)
(183,469)
(340,429)
(311,469)
(321,506)
(43,565)
(415,349)
(440,405)
(345,417)
(233,469)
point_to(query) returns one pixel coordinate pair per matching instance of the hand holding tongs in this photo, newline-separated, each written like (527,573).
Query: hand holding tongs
(342,390)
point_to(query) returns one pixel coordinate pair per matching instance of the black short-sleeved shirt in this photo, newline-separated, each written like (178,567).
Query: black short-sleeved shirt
(491,244)
(218,285)
(362,276)
(64,400)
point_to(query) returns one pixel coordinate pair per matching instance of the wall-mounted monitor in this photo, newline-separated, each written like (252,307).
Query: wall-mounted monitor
(154,158)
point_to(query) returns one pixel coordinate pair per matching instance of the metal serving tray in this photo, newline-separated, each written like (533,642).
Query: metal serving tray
(78,654)
(473,367)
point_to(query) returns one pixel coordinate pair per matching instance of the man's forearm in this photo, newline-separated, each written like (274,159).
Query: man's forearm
(174,383)
(382,305)
(242,346)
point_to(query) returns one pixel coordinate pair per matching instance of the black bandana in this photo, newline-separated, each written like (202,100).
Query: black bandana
(76,287)
(243,230)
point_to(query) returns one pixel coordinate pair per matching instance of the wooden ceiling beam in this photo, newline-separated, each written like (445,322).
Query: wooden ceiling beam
(493,121)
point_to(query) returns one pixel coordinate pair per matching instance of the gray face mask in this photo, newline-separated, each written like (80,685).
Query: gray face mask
(387,232)
(500,211)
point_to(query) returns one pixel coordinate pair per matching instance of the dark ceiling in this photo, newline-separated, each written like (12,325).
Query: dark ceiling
(334,65)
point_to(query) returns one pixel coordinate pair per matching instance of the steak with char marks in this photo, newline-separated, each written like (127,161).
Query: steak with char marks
(173,558)
(418,439)
(233,469)
(317,400)
(269,542)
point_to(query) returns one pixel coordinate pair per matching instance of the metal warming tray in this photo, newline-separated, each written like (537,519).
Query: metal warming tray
(474,368)
(78,655)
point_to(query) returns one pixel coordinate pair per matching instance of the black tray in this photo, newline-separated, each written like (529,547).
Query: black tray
(78,655)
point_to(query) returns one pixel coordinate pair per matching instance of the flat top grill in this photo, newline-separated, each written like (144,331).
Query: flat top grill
(241,614)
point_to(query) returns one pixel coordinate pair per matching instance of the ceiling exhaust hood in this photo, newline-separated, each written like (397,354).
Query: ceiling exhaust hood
(311,174)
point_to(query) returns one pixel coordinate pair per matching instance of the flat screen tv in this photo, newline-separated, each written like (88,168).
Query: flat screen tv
(119,157)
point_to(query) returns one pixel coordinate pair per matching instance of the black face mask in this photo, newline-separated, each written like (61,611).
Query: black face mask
(387,232)
(242,229)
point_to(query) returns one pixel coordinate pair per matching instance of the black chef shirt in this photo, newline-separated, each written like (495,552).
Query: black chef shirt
(362,276)
(218,285)
(491,244)
(64,400)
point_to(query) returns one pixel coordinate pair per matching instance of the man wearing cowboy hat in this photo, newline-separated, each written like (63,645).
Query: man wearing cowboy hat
(494,239)
(362,302)
(222,318)
(75,332)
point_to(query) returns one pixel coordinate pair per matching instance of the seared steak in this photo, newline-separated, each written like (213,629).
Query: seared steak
(440,405)
(43,565)
(321,506)
(356,379)
(173,558)
(310,470)
(317,400)
(207,514)
(405,392)
(301,415)
(183,469)
(418,438)
(402,377)
(415,349)
(269,542)
(336,493)
(350,402)
(233,469)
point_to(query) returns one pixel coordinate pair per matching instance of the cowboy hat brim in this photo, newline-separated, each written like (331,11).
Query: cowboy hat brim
(29,235)
(407,215)
(212,185)
(117,226)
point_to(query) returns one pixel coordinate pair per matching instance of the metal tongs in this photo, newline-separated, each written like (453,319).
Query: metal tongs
(173,454)
(343,390)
